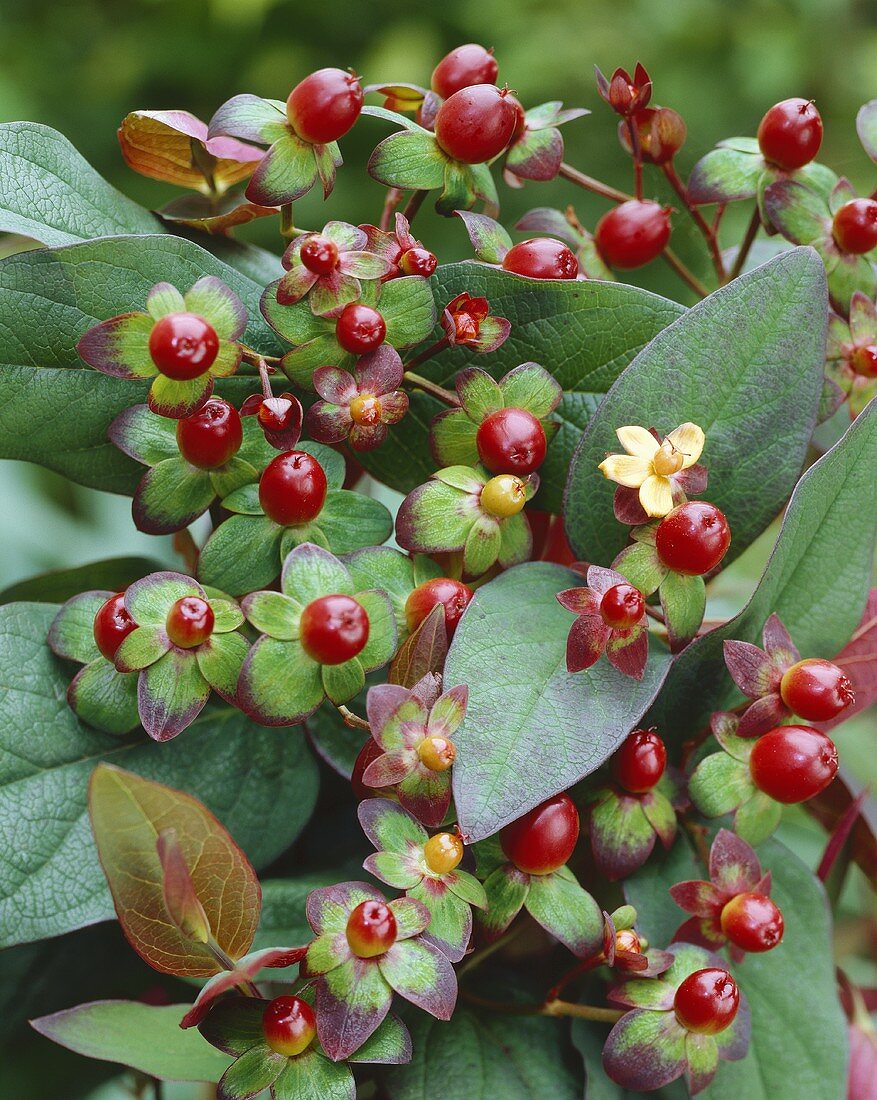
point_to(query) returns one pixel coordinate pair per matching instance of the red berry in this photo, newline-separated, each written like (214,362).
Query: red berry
(511,441)
(864,361)
(790,134)
(324,106)
(475,124)
(752,922)
(454,596)
(520,118)
(633,234)
(855,226)
(640,762)
(189,622)
(541,258)
(289,1025)
(371,929)
(369,752)
(360,329)
(333,629)
(211,436)
(543,839)
(418,261)
(816,690)
(276,414)
(793,763)
(319,254)
(707,1001)
(183,346)
(463,67)
(292,488)
(693,538)
(112,625)
(622,607)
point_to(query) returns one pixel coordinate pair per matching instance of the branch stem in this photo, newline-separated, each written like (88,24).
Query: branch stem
(447,397)
(353,720)
(551,1008)
(708,232)
(414,204)
(687,276)
(391,201)
(746,244)
(590,184)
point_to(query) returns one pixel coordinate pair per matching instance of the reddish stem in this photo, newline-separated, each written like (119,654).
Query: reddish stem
(708,232)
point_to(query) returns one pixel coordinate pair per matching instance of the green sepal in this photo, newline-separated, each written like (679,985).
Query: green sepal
(104,698)
(255,1070)
(71,634)
(489,239)
(720,784)
(220,659)
(450,924)
(279,684)
(566,911)
(171,495)
(171,694)
(640,565)
(310,1075)
(235,473)
(411,159)
(351,521)
(342,682)
(382,635)
(757,818)
(241,554)
(683,600)
(507,890)
(274,614)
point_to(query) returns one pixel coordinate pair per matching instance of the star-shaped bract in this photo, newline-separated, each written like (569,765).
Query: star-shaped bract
(624,93)
(468,322)
(625,826)
(662,471)
(758,673)
(328,294)
(590,637)
(630,960)
(359,407)
(851,357)
(392,246)
(120,347)
(536,153)
(280,417)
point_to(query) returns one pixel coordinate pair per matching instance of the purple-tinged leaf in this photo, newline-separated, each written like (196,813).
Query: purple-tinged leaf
(566,911)
(422,974)
(645,1050)
(352,1000)
(171,694)
(506,890)
(622,837)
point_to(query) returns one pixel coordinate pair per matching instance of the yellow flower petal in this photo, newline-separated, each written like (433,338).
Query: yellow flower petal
(656,495)
(637,441)
(626,470)
(688,439)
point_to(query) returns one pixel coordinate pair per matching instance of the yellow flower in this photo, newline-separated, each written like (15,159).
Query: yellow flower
(649,465)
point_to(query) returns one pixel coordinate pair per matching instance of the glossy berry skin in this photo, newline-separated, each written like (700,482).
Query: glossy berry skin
(640,762)
(211,436)
(475,124)
(520,117)
(632,234)
(706,1002)
(752,922)
(693,538)
(511,441)
(289,1025)
(443,852)
(369,752)
(371,929)
(622,607)
(319,255)
(292,488)
(454,596)
(790,134)
(183,346)
(541,258)
(864,361)
(324,106)
(112,625)
(437,753)
(816,690)
(333,629)
(360,329)
(855,226)
(189,622)
(418,261)
(793,763)
(543,839)
(463,67)
(503,496)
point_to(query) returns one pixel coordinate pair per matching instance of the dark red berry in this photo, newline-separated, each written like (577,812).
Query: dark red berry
(640,762)
(333,629)
(790,134)
(463,67)
(211,436)
(693,538)
(454,596)
(183,346)
(543,839)
(292,489)
(864,361)
(511,441)
(418,261)
(369,752)
(622,607)
(816,690)
(360,329)
(475,124)
(324,106)
(707,1001)
(520,118)
(289,1025)
(752,922)
(112,625)
(793,763)
(371,929)
(319,254)
(633,233)
(189,622)
(855,226)
(541,258)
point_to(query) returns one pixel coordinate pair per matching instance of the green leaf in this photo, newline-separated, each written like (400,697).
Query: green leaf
(758,408)
(683,600)
(243,553)
(111,574)
(55,883)
(410,159)
(720,784)
(351,521)
(568,912)
(144,1037)
(310,1075)
(817,592)
(531,728)
(726,175)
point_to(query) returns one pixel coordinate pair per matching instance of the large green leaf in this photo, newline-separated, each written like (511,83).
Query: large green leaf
(799,1041)
(817,580)
(585,333)
(532,728)
(112,574)
(53,409)
(50,878)
(746,364)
